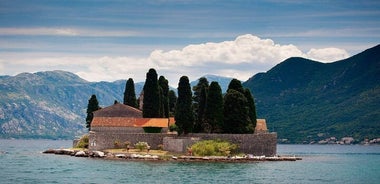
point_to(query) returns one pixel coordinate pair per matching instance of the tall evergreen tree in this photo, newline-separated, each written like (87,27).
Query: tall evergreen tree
(236,115)
(151,102)
(172,102)
(184,116)
(200,97)
(251,109)
(92,106)
(213,116)
(236,85)
(130,94)
(164,84)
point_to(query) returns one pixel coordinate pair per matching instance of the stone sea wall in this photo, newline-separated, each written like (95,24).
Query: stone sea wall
(256,144)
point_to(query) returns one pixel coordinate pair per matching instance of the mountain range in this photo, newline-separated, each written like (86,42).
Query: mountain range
(302,100)
(306,101)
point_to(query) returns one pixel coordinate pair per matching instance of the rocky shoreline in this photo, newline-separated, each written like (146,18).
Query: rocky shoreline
(150,157)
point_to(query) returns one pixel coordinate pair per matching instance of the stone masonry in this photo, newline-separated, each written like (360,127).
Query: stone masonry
(256,144)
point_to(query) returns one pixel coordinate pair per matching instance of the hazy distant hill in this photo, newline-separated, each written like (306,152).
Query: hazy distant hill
(306,100)
(223,81)
(50,104)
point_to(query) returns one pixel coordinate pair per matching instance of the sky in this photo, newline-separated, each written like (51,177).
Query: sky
(119,39)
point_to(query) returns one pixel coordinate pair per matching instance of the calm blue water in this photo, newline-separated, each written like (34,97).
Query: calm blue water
(23,162)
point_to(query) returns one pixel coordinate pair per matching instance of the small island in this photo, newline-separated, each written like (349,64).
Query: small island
(202,151)
(209,126)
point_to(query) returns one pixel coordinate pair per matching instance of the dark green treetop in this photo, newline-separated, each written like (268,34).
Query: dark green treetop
(251,108)
(200,96)
(236,115)
(172,101)
(130,94)
(213,116)
(93,105)
(151,102)
(184,115)
(236,85)
(164,84)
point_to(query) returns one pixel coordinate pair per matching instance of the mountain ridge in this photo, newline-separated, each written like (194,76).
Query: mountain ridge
(304,99)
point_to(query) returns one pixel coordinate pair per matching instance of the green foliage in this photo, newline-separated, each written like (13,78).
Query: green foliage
(236,85)
(213,118)
(152,129)
(83,142)
(236,115)
(184,116)
(251,109)
(164,84)
(142,146)
(172,102)
(130,94)
(213,148)
(200,97)
(173,128)
(151,102)
(93,105)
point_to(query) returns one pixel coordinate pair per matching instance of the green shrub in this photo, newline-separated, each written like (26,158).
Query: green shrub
(152,129)
(83,142)
(173,128)
(213,148)
(141,146)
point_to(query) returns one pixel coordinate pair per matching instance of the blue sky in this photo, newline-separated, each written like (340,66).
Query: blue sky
(111,40)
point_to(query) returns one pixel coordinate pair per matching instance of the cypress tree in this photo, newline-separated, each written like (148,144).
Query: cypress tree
(184,116)
(164,84)
(251,109)
(130,94)
(92,106)
(236,85)
(172,102)
(200,97)
(236,116)
(151,102)
(213,116)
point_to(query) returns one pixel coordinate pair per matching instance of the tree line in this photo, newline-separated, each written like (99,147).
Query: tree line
(203,109)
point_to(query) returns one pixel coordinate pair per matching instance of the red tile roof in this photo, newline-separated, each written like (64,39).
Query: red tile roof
(129,122)
(118,110)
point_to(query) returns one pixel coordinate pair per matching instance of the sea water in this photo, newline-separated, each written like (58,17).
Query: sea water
(21,161)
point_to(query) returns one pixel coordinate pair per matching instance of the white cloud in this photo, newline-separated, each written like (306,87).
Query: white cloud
(327,54)
(240,58)
(244,49)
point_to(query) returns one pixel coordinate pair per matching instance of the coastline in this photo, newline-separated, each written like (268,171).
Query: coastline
(146,156)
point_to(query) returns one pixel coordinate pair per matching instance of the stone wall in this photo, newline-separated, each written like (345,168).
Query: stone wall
(256,144)
(179,144)
(106,140)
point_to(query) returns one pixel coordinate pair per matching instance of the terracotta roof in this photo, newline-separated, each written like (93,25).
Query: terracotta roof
(129,122)
(156,122)
(118,110)
(261,125)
